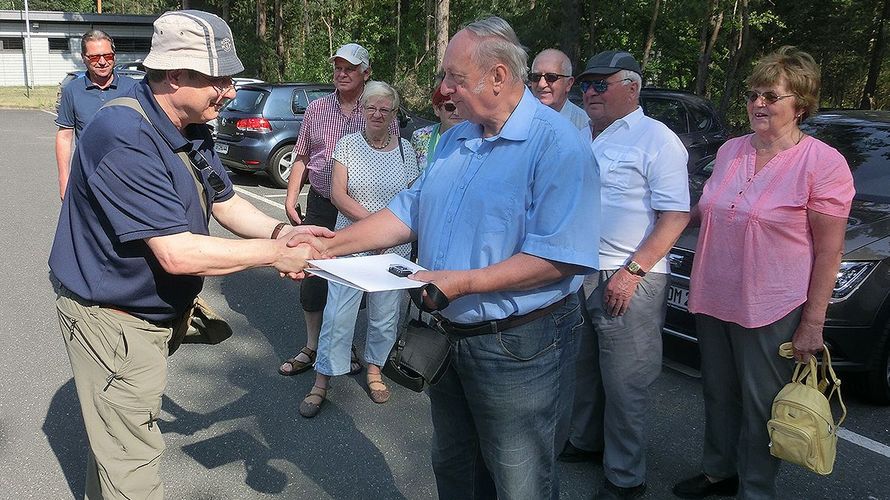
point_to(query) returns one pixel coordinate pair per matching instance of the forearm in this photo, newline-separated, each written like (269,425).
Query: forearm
(667,229)
(63,156)
(199,255)
(379,230)
(822,282)
(347,206)
(298,176)
(518,273)
(243,219)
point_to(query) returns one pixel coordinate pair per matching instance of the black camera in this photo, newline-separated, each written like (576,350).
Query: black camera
(399,270)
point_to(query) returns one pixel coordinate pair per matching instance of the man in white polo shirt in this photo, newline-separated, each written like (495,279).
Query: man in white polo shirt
(645,206)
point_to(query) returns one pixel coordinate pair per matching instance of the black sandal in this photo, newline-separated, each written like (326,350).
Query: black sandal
(296,365)
(355,365)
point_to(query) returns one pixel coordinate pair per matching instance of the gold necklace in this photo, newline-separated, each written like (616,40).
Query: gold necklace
(371,143)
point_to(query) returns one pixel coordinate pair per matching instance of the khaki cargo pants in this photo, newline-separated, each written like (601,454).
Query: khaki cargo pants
(120,371)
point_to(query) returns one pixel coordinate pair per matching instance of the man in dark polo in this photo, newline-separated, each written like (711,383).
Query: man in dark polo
(85,95)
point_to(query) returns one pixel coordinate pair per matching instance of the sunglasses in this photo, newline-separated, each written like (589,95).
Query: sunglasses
(600,86)
(548,77)
(769,96)
(94,59)
(202,166)
(449,107)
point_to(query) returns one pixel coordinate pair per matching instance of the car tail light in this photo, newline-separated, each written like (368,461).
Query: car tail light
(850,275)
(260,125)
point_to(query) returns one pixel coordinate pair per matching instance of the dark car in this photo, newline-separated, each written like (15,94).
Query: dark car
(857,325)
(129,73)
(257,130)
(691,117)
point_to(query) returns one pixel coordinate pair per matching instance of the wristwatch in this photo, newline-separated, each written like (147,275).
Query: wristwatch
(633,268)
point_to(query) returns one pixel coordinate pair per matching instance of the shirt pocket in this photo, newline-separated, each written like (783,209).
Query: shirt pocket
(619,166)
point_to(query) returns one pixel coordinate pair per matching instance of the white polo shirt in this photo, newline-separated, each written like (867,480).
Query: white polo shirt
(642,171)
(576,115)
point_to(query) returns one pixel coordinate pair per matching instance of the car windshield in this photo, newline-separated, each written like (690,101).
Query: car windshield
(866,146)
(247,101)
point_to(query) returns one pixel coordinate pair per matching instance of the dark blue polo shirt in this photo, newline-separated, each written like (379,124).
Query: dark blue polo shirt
(81,98)
(126,185)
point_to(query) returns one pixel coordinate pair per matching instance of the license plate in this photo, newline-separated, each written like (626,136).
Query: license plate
(677,297)
(221,148)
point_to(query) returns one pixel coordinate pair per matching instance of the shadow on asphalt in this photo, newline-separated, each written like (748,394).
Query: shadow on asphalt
(66,436)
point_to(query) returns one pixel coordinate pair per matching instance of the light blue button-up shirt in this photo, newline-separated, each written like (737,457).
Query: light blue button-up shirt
(533,189)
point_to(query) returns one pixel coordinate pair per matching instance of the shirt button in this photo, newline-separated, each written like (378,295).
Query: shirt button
(732,206)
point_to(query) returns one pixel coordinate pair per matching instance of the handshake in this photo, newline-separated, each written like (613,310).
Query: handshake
(297,244)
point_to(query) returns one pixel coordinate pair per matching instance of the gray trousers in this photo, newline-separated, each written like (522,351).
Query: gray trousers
(120,371)
(617,363)
(741,375)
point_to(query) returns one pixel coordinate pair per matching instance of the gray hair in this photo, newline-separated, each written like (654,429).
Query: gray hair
(499,44)
(565,63)
(380,89)
(94,36)
(633,76)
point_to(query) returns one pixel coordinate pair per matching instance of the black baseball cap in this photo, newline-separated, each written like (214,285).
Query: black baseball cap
(611,62)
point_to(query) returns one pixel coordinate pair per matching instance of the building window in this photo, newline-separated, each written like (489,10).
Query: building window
(59,46)
(131,44)
(12,43)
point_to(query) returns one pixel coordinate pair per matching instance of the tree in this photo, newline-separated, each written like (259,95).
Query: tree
(443,12)
(877,58)
(650,36)
(710,30)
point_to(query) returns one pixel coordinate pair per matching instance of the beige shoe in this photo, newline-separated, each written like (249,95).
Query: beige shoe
(311,404)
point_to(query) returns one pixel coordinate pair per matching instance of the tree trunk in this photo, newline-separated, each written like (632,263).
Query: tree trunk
(650,36)
(398,36)
(280,46)
(225,10)
(730,89)
(570,19)
(877,57)
(261,29)
(712,23)
(592,27)
(443,11)
(304,30)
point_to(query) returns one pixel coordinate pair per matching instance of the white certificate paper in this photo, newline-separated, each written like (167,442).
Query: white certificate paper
(370,273)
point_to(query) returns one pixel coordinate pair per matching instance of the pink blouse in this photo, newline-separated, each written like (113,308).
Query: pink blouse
(755,251)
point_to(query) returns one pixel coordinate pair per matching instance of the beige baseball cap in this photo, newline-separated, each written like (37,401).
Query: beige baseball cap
(193,39)
(354,53)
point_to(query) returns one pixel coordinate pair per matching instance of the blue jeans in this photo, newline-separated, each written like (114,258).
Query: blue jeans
(496,411)
(338,328)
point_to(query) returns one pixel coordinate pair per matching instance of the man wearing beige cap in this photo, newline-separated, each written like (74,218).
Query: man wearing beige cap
(326,120)
(132,244)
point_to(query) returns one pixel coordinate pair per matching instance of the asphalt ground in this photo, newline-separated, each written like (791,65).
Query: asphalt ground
(231,422)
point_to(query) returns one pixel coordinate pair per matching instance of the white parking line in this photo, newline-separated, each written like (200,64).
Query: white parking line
(868,444)
(258,197)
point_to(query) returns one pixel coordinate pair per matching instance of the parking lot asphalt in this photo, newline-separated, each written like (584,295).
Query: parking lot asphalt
(231,422)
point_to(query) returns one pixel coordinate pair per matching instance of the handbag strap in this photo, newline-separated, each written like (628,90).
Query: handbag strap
(130,102)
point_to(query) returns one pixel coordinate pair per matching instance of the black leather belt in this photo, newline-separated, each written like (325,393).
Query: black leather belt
(488,327)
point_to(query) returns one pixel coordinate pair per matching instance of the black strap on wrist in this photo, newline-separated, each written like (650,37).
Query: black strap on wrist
(277,230)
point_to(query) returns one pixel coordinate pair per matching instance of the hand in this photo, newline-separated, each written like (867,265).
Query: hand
(292,215)
(807,340)
(619,290)
(453,284)
(291,261)
(298,234)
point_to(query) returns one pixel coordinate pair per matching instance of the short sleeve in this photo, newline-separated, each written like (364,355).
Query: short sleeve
(66,118)
(668,176)
(831,184)
(301,148)
(137,196)
(343,149)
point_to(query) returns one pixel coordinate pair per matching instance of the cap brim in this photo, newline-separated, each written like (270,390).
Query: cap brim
(354,60)
(600,70)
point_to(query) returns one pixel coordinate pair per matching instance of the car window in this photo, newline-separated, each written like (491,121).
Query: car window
(668,111)
(700,119)
(247,101)
(302,98)
(866,146)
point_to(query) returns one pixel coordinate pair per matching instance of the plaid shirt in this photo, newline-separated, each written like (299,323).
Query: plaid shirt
(323,125)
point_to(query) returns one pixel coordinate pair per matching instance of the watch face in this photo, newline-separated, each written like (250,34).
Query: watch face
(633,267)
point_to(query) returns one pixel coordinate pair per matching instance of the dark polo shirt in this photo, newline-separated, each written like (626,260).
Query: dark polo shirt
(81,98)
(127,185)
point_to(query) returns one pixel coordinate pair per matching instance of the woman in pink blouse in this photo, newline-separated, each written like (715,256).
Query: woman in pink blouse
(773,217)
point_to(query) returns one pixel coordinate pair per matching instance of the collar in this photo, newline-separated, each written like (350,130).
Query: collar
(92,85)
(632,118)
(159,119)
(358,101)
(516,128)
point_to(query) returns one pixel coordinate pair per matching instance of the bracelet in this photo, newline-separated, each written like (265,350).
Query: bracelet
(277,230)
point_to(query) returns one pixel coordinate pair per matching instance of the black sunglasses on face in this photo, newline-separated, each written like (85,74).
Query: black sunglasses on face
(548,77)
(600,86)
(201,164)
(769,96)
(449,107)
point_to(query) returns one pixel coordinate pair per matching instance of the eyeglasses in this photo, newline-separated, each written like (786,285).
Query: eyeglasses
(548,77)
(222,84)
(372,110)
(600,86)
(769,96)
(94,59)
(200,163)
(449,107)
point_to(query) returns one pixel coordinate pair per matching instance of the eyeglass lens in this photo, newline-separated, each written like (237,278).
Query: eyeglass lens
(95,58)
(599,86)
(382,111)
(548,77)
